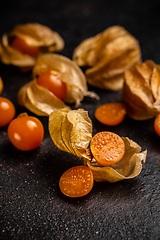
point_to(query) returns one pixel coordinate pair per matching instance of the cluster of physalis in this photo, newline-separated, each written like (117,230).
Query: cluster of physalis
(113,61)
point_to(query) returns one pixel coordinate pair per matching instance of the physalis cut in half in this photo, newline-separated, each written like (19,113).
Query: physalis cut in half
(110,158)
(26,42)
(56,80)
(141,92)
(107,56)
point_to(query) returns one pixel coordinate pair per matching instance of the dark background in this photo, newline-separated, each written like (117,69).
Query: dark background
(32,204)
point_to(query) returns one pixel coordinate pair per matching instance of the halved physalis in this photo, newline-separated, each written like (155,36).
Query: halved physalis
(128,167)
(1,85)
(107,148)
(111,114)
(26,42)
(107,56)
(57,81)
(111,158)
(76,182)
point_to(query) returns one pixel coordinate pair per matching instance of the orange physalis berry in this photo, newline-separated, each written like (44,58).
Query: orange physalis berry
(107,148)
(26,132)
(76,181)
(111,114)
(7,111)
(157,125)
(51,82)
(24,48)
(1,85)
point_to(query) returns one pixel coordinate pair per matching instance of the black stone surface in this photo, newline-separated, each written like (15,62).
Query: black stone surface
(32,204)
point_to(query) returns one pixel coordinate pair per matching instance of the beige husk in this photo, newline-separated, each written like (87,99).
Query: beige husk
(40,100)
(107,56)
(35,35)
(141,92)
(128,167)
(71,131)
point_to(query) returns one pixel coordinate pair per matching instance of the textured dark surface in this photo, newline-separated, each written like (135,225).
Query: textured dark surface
(32,204)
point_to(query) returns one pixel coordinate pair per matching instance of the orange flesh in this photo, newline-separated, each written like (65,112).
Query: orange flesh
(51,82)
(76,181)
(25,133)
(107,148)
(157,125)
(24,48)
(7,111)
(111,114)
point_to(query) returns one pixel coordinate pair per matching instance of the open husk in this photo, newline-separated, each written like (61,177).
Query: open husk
(71,131)
(40,100)
(128,167)
(107,56)
(141,92)
(35,35)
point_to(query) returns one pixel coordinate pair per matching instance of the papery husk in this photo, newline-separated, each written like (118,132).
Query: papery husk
(38,99)
(12,56)
(69,72)
(1,85)
(71,131)
(141,92)
(34,34)
(107,56)
(128,167)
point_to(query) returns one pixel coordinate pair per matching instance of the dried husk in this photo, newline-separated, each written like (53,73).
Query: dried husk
(107,56)
(128,167)
(71,131)
(69,72)
(34,34)
(141,92)
(38,99)
(1,85)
